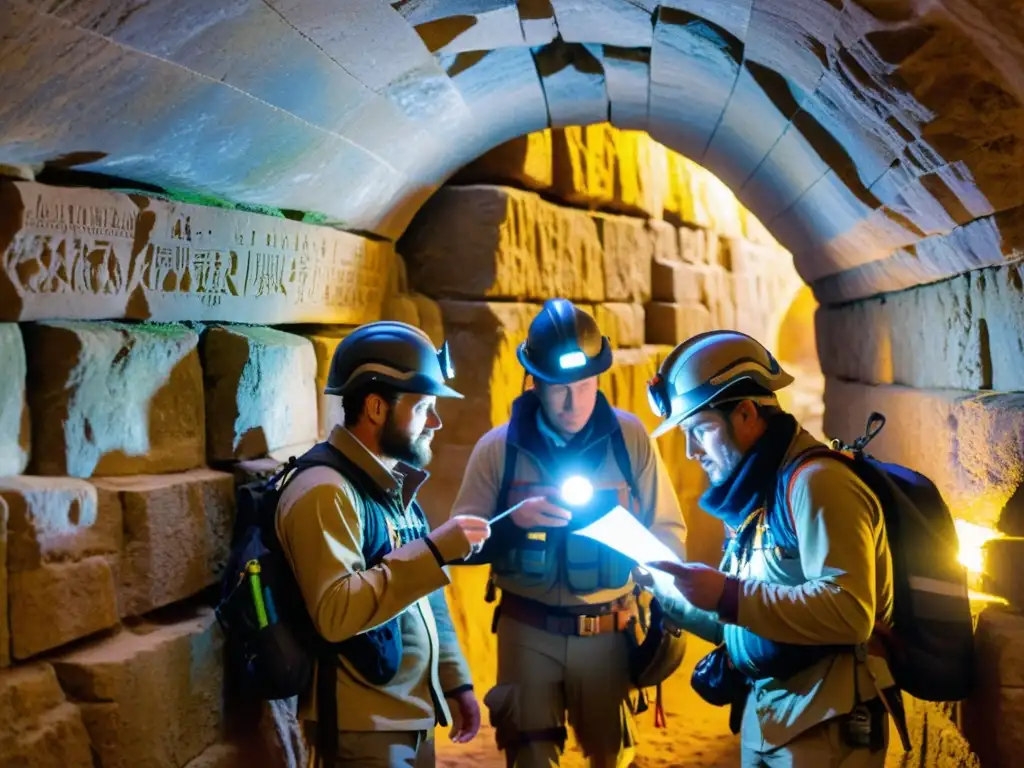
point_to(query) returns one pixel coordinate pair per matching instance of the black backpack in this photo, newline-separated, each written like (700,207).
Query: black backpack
(931,645)
(271,644)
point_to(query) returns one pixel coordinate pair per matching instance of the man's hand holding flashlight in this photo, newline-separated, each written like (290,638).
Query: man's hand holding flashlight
(539,512)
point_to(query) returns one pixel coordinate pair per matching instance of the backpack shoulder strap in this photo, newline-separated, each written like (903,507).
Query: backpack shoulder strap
(621,453)
(507,475)
(786,483)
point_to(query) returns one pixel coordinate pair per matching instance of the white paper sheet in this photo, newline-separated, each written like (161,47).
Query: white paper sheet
(624,533)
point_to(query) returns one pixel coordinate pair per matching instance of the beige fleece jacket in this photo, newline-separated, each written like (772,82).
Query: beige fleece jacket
(832,593)
(479,491)
(319,523)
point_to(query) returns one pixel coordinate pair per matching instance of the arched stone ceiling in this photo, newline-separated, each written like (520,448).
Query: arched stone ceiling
(879,140)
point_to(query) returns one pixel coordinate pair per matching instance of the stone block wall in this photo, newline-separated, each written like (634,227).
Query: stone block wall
(156,354)
(942,362)
(649,243)
(134,398)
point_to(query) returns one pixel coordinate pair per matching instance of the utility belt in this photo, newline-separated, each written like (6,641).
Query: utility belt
(584,621)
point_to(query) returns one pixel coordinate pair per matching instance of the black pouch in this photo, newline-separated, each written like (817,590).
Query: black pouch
(864,727)
(717,681)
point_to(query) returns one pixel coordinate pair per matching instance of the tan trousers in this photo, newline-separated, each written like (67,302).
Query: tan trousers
(386,749)
(819,747)
(546,681)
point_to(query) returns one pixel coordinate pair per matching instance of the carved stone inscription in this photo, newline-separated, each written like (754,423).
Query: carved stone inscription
(89,254)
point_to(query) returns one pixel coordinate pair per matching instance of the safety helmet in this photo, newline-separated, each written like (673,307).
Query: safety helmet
(564,345)
(393,353)
(697,373)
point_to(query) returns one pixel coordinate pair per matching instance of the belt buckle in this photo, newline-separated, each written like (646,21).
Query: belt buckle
(587,626)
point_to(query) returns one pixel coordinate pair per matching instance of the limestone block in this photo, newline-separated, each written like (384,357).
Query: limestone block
(968,443)
(999,645)
(524,161)
(5,626)
(694,64)
(988,241)
(624,384)
(675,323)
(627,73)
(483,337)
(699,246)
(610,22)
(91,254)
(14,418)
(472,27)
(519,246)
(166,674)
(599,166)
(61,561)
(260,392)
(114,398)
(431,321)
(59,602)
(628,251)
(963,333)
(329,412)
(665,239)
(40,728)
(573,83)
(1003,569)
(674,281)
(401,308)
(623,324)
(177,532)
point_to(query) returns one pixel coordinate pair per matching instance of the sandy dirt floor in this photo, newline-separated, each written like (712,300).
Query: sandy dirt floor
(697,734)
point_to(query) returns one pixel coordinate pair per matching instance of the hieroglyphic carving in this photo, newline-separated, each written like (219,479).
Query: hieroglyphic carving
(77,253)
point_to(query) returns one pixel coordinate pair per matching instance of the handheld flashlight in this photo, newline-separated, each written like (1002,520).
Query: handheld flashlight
(577,491)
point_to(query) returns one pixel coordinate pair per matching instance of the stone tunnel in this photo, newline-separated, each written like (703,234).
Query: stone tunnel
(198,200)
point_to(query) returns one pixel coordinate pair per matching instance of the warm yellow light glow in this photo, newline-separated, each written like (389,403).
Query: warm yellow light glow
(972,538)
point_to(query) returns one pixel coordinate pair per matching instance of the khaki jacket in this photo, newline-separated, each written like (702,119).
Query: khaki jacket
(319,524)
(831,594)
(658,501)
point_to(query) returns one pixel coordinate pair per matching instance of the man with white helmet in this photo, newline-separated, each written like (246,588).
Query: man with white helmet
(369,569)
(568,604)
(807,574)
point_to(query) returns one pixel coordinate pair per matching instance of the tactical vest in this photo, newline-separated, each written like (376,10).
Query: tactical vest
(539,558)
(377,653)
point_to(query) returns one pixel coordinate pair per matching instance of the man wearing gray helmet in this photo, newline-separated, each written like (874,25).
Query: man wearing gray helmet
(370,571)
(807,575)
(568,603)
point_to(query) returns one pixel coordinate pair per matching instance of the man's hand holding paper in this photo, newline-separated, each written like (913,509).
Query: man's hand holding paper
(700,585)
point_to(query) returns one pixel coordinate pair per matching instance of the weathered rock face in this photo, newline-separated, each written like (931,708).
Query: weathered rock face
(329,411)
(260,392)
(521,247)
(14,419)
(61,560)
(89,254)
(40,728)
(968,443)
(151,696)
(525,161)
(965,333)
(119,399)
(177,531)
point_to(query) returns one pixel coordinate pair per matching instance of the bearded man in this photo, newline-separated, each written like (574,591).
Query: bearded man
(370,571)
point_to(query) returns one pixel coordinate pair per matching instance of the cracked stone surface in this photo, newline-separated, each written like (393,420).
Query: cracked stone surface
(854,130)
